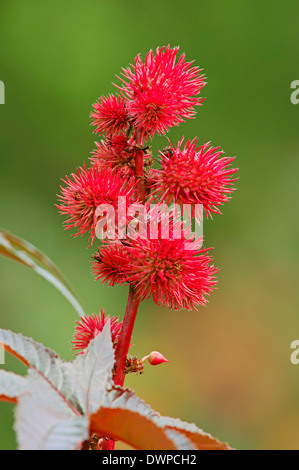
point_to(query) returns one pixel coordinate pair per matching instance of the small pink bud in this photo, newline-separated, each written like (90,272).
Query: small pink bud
(154,358)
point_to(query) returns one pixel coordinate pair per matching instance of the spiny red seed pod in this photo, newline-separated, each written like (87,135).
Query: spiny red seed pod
(194,175)
(159,265)
(110,263)
(172,275)
(161,91)
(86,190)
(115,152)
(154,358)
(110,116)
(90,326)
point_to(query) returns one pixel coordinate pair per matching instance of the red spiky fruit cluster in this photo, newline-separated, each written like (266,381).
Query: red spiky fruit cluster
(194,175)
(154,95)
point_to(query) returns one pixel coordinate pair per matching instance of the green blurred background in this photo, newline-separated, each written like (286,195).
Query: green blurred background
(230,369)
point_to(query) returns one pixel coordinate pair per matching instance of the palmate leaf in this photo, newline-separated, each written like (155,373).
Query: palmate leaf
(199,439)
(36,356)
(59,404)
(23,252)
(11,386)
(132,428)
(124,416)
(92,372)
(44,419)
(49,414)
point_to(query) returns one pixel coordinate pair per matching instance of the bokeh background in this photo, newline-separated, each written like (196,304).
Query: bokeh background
(230,369)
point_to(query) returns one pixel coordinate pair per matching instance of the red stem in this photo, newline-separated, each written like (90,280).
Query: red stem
(123,347)
(133,302)
(140,187)
(125,337)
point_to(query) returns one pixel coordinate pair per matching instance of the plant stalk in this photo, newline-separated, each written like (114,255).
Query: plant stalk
(133,301)
(125,337)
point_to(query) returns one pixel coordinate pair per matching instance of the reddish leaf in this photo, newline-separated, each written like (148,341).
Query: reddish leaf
(14,353)
(40,358)
(45,420)
(11,386)
(130,427)
(8,399)
(125,417)
(91,372)
(200,439)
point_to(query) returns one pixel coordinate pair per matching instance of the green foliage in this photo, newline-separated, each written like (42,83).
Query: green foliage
(23,252)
